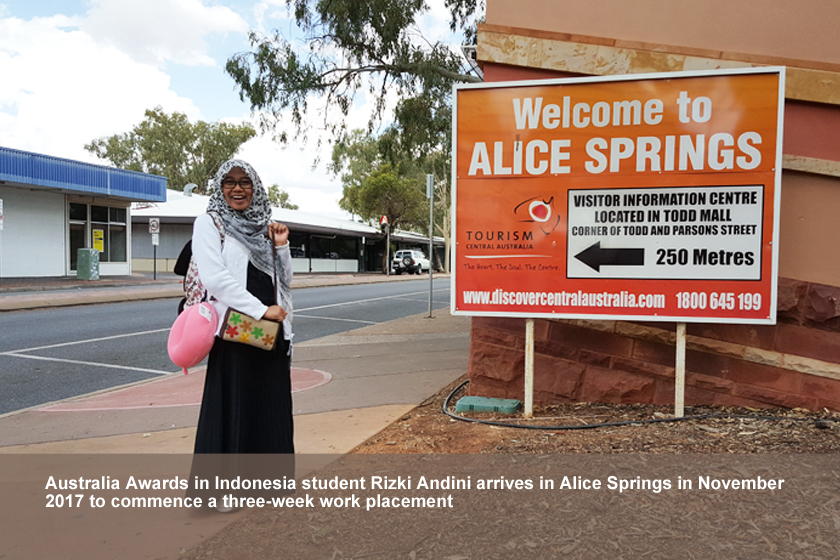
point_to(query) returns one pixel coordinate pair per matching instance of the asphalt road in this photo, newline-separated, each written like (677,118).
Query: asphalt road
(52,354)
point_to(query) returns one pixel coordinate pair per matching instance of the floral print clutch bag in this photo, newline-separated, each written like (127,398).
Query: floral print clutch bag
(240,327)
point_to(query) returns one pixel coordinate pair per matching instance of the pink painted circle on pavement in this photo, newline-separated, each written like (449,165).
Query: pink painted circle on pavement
(303,379)
(172,390)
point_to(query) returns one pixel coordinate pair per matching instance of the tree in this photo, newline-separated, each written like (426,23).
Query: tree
(440,165)
(169,145)
(362,155)
(372,46)
(385,193)
(424,137)
(279,197)
(354,158)
(379,178)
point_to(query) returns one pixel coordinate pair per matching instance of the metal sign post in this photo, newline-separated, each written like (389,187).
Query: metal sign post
(154,229)
(155,243)
(383,222)
(430,194)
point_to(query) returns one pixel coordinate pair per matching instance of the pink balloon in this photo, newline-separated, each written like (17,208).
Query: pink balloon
(192,335)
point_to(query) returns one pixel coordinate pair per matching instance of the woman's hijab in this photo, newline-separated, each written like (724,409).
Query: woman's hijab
(250,225)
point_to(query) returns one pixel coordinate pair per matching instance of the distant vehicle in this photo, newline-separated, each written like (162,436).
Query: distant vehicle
(411,261)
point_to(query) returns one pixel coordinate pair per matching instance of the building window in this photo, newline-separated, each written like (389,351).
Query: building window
(297,244)
(101,227)
(78,214)
(334,247)
(346,247)
(321,248)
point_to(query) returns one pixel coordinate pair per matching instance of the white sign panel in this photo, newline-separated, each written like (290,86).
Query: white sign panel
(680,233)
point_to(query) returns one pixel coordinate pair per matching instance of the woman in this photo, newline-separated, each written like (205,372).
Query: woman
(247,402)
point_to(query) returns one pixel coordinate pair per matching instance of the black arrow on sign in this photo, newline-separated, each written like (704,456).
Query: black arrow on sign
(595,257)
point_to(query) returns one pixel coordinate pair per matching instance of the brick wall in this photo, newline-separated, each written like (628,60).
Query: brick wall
(795,363)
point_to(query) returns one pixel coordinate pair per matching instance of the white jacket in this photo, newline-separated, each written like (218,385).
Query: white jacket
(224,271)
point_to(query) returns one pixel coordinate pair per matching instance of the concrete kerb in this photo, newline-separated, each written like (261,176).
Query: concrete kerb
(58,295)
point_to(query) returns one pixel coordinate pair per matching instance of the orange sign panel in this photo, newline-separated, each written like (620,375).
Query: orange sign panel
(636,197)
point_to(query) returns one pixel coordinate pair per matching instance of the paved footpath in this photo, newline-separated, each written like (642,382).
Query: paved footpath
(347,387)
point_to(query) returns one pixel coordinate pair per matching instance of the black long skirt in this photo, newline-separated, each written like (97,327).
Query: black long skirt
(247,402)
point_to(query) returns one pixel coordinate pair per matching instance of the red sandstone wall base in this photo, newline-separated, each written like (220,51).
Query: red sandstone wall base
(794,364)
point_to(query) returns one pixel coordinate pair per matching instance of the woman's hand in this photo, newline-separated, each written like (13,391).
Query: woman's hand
(275,313)
(279,233)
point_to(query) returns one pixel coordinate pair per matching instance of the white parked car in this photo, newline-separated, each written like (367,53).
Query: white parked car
(411,261)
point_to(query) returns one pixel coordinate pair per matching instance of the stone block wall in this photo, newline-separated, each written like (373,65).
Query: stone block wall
(793,364)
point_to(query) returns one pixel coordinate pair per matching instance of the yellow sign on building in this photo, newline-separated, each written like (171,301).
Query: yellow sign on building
(99,240)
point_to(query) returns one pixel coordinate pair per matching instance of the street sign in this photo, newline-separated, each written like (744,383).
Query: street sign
(155,239)
(650,197)
(154,225)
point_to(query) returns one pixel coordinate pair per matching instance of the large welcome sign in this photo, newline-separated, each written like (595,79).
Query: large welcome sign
(637,197)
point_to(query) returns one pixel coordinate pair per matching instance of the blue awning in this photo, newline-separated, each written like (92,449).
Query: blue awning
(30,169)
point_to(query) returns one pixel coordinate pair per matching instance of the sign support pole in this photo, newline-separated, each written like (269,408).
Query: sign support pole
(679,384)
(385,226)
(154,229)
(430,194)
(529,368)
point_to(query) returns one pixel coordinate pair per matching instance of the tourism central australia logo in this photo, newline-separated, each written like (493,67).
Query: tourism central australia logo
(535,210)
(539,211)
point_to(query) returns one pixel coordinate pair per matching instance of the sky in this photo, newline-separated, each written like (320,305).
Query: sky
(73,71)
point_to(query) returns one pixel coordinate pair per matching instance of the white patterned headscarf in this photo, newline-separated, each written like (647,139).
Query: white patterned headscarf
(249,226)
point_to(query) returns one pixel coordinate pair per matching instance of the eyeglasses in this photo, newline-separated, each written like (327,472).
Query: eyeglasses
(229,183)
